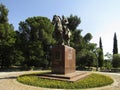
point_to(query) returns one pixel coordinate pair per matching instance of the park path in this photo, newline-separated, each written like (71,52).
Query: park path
(8,82)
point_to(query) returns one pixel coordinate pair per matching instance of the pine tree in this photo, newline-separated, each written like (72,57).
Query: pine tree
(115,47)
(36,37)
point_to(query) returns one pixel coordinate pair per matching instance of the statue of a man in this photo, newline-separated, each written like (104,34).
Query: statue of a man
(66,31)
(61,33)
(64,23)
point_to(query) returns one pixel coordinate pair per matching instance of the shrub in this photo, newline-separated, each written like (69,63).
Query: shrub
(116,60)
(93,80)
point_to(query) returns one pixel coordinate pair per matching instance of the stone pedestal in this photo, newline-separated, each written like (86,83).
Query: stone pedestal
(63,59)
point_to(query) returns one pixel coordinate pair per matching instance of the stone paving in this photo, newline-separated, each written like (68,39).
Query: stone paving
(8,82)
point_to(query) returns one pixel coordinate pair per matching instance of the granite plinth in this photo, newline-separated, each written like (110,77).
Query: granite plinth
(63,59)
(72,77)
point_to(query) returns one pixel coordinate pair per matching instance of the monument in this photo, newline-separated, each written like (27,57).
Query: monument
(63,56)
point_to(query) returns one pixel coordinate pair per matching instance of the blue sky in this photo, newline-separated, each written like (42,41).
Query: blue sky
(101,18)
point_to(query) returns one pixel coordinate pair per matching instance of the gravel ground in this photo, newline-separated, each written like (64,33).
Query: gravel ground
(8,82)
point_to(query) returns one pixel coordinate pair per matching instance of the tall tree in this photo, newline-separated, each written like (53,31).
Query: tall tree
(3,14)
(100,54)
(7,38)
(36,37)
(84,49)
(100,44)
(115,46)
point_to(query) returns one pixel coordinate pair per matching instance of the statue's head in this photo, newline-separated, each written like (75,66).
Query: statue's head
(63,16)
(54,19)
(55,16)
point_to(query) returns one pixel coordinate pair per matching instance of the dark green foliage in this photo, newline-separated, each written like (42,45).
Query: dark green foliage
(86,58)
(74,21)
(100,58)
(85,51)
(85,55)
(3,14)
(34,54)
(115,47)
(116,61)
(100,54)
(35,37)
(100,44)
(30,45)
(37,28)
(7,39)
(107,64)
(87,37)
(76,39)
(93,80)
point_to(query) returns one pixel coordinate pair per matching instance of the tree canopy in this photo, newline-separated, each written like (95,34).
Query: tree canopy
(7,38)
(30,45)
(3,14)
(36,36)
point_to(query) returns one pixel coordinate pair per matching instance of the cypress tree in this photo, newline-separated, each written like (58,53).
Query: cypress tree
(100,44)
(115,47)
(100,57)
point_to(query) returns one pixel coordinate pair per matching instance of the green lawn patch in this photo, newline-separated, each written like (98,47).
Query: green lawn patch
(93,80)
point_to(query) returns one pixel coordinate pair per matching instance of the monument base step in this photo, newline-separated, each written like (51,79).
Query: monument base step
(72,77)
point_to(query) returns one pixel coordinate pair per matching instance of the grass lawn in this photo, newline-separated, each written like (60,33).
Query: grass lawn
(93,80)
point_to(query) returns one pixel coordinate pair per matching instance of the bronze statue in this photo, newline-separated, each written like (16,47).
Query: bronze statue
(61,32)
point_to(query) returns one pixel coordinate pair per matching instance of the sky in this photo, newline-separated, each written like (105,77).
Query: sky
(101,18)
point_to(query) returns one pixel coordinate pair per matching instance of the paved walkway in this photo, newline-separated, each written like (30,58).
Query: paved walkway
(8,82)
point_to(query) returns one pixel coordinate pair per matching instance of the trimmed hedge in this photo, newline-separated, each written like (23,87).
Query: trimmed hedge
(93,80)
